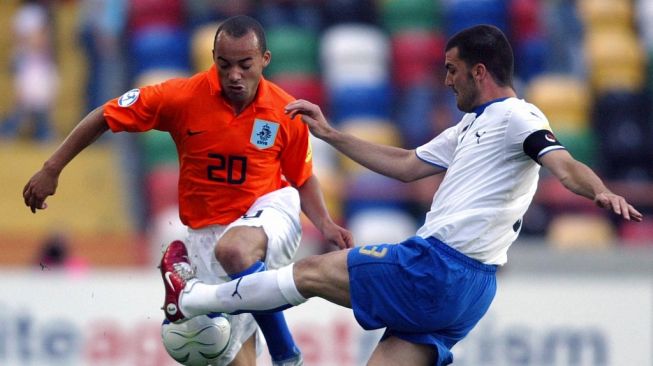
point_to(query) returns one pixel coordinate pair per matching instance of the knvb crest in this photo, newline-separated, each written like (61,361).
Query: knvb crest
(264,133)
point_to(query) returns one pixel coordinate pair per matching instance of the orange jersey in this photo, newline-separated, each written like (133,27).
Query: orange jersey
(226,161)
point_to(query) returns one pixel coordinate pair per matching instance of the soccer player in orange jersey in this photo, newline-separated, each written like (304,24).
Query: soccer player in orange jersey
(245,172)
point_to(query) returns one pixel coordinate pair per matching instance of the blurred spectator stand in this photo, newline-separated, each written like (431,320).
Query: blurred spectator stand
(35,73)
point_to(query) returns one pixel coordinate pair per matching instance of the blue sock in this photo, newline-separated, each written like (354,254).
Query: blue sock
(273,325)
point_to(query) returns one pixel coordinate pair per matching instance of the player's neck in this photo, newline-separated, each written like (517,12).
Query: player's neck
(495,92)
(239,106)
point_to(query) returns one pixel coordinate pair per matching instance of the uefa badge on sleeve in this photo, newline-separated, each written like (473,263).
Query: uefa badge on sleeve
(129,98)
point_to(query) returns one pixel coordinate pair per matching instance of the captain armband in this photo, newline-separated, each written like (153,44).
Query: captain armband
(539,143)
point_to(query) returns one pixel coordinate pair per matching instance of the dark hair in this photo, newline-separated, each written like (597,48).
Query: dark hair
(239,25)
(485,44)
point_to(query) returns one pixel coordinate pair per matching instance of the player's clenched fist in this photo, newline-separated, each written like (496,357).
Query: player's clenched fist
(38,188)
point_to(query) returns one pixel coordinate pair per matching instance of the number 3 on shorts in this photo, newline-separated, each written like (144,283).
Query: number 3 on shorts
(373,251)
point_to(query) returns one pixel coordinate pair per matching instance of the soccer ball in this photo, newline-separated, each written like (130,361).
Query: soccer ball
(197,341)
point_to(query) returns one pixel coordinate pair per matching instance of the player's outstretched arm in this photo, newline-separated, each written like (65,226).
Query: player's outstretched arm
(580,179)
(44,182)
(391,161)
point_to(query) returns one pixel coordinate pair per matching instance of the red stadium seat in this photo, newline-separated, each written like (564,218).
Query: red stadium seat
(636,233)
(524,20)
(161,188)
(302,86)
(415,56)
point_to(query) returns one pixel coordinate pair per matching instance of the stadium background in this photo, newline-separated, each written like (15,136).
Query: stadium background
(577,289)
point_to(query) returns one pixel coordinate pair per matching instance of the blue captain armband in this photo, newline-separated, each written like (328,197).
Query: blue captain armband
(539,143)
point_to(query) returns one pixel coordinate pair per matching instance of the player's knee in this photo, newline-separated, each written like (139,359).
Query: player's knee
(237,250)
(229,255)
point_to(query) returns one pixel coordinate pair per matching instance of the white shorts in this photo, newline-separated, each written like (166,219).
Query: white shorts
(278,214)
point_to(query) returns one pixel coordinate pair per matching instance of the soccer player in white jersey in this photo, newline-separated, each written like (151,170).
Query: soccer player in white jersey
(430,290)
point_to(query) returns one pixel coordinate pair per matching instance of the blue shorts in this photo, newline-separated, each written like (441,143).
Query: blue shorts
(421,290)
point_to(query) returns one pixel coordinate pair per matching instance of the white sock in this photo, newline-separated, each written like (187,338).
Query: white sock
(260,291)
(287,286)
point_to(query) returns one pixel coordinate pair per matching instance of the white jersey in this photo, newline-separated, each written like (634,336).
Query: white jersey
(490,180)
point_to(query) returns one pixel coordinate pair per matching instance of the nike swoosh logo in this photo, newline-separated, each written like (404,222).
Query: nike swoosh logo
(193,133)
(167,277)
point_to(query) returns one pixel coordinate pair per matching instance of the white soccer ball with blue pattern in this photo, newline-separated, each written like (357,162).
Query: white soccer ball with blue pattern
(198,341)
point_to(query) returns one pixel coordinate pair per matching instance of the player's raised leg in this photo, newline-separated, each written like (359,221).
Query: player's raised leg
(325,276)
